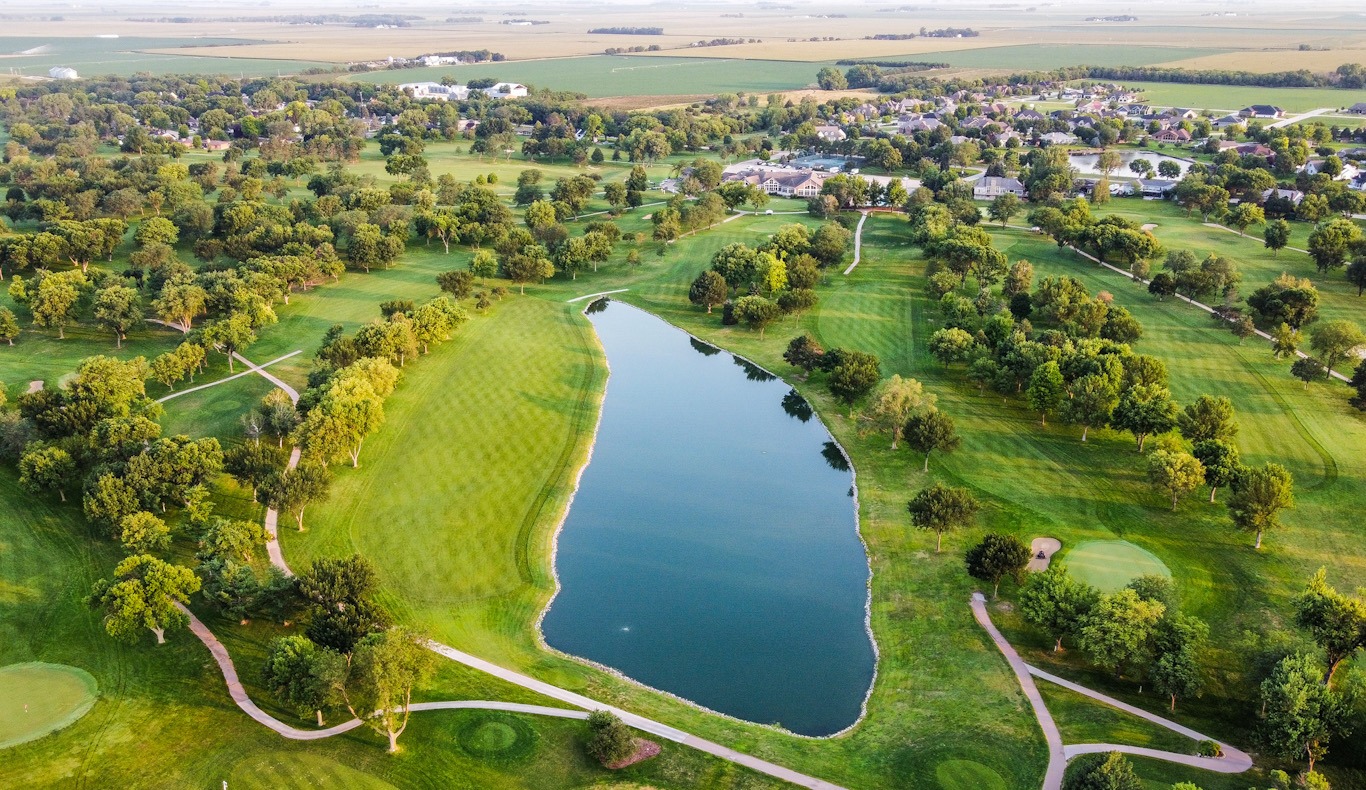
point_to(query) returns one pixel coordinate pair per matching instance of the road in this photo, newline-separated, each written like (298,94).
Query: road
(1298,118)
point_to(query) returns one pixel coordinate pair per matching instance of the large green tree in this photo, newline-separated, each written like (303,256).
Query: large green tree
(1259,496)
(1336,621)
(1144,410)
(995,557)
(144,594)
(1117,629)
(385,669)
(1302,713)
(1176,473)
(1057,602)
(942,508)
(929,431)
(303,675)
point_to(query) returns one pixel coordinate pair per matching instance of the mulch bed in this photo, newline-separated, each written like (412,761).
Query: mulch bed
(644,751)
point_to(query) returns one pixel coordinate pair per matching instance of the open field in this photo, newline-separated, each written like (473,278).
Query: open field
(1235,97)
(619,75)
(1273,60)
(92,56)
(1051,56)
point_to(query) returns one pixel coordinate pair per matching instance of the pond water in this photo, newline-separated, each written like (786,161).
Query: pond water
(711,550)
(1086,163)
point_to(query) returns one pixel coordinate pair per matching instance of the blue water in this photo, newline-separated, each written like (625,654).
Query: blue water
(711,549)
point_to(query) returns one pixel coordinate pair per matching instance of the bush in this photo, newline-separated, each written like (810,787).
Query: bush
(1209,749)
(611,740)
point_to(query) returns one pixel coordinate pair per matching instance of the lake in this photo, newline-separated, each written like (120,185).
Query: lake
(712,550)
(1086,163)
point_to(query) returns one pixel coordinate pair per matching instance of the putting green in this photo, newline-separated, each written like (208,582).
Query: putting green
(967,775)
(38,698)
(1110,564)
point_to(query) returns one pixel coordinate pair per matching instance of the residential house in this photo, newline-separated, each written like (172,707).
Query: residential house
(1058,138)
(1173,135)
(1030,115)
(506,90)
(217,145)
(830,133)
(1358,109)
(1227,121)
(981,122)
(988,187)
(1262,111)
(784,183)
(1155,188)
(435,90)
(1292,195)
(909,125)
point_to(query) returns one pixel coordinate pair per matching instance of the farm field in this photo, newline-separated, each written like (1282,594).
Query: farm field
(93,56)
(620,75)
(1235,97)
(1051,56)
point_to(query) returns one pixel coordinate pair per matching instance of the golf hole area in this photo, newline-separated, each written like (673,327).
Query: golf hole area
(1108,565)
(38,698)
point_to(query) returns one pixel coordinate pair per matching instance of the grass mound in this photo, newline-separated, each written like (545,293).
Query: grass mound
(967,775)
(496,736)
(1110,564)
(38,698)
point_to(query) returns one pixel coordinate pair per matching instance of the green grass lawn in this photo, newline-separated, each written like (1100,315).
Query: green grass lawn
(1083,720)
(1236,97)
(457,497)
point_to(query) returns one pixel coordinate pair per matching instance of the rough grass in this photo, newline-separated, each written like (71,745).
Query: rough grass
(1083,720)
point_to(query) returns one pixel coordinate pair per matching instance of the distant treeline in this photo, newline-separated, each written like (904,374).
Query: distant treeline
(943,32)
(636,48)
(909,65)
(464,20)
(725,42)
(628,31)
(1350,75)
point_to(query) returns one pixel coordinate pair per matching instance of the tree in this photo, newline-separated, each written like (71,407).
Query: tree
(293,490)
(931,430)
(1101,772)
(232,539)
(893,404)
(230,335)
(854,375)
(1358,383)
(1335,341)
(46,468)
(384,670)
(144,594)
(804,352)
(54,302)
(1276,235)
(1176,473)
(828,243)
(757,311)
(1046,391)
(1302,713)
(1331,242)
(144,533)
(278,414)
(459,284)
(179,302)
(611,741)
(1056,602)
(1259,496)
(336,584)
(1116,630)
(1243,328)
(304,676)
(996,557)
(941,508)
(156,230)
(951,345)
(708,290)
(1208,417)
(1093,401)
(484,265)
(1243,215)
(1003,207)
(118,309)
(1221,463)
(831,79)
(1145,409)
(1285,341)
(1308,369)
(530,264)
(9,325)
(1356,273)
(1336,621)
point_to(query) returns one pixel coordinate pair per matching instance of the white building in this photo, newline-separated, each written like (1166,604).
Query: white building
(62,73)
(988,187)
(506,90)
(435,90)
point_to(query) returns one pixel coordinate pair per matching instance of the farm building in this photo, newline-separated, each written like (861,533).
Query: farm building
(62,73)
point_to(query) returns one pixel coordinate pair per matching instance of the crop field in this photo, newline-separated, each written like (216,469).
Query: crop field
(1052,56)
(607,75)
(92,56)
(1235,97)
(1274,59)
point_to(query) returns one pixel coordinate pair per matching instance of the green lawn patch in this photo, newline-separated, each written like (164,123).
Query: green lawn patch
(1084,720)
(967,775)
(37,698)
(1108,565)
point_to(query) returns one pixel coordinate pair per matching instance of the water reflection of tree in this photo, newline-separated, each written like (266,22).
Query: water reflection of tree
(705,349)
(835,457)
(597,305)
(752,371)
(796,406)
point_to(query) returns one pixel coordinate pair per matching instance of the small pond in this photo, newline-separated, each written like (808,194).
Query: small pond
(1086,163)
(711,550)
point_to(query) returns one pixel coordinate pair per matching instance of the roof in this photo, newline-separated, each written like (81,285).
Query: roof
(999,182)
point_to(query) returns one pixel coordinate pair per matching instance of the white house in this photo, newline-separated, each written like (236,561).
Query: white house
(1155,188)
(830,133)
(1058,138)
(988,187)
(62,73)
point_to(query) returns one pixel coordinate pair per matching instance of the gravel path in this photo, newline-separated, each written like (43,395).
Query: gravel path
(1234,760)
(253,369)
(858,241)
